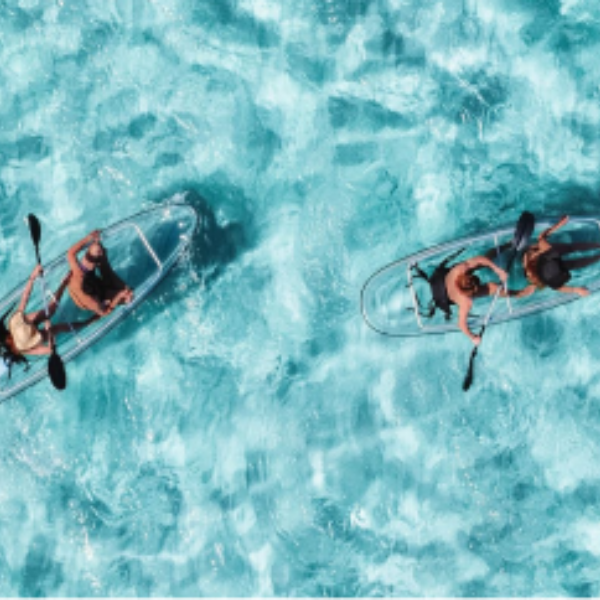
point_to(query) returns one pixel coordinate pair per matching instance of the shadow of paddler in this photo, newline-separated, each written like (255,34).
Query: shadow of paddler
(215,245)
(212,248)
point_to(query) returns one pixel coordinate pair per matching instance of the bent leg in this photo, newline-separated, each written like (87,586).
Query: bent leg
(70,327)
(60,291)
(58,294)
(122,296)
(523,293)
(576,247)
(39,316)
(578,263)
(565,249)
(110,293)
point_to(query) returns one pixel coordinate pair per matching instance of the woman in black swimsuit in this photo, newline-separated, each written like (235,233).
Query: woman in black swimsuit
(545,266)
(94,285)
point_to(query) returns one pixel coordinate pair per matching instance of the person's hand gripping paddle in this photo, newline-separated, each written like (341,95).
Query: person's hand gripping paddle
(521,238)
(56,367)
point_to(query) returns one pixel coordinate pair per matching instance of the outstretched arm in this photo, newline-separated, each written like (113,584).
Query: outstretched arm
(27,291)
(582,291)
(483,261)
(524,293)
(463,314)
(547,232)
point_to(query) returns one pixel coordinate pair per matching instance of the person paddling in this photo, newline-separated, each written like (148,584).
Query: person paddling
(463,286)
(24,335)
(544,265)
(458,284)
(97,292)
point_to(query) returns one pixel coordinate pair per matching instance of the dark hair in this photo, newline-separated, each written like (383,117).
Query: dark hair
(95,260)
(92,285)
(8,353)
(468,283)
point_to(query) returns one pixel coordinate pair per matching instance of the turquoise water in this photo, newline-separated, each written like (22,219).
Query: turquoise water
(244,432)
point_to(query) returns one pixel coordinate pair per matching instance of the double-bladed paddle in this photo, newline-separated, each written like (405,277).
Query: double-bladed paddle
(56,367)
(521,238)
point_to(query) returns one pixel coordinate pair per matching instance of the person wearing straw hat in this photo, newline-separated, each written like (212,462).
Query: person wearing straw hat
(24,334)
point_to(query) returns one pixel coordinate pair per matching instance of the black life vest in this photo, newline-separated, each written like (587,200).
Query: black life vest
(552,270)
(439,291)
(437,285)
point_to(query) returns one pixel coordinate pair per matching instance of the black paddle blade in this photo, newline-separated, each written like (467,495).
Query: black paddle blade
(523,231)
(35,228)
(36,234)
(470,371)
(56,370)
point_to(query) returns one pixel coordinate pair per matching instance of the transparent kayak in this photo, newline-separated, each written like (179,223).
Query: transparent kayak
(141,250)
(393,298)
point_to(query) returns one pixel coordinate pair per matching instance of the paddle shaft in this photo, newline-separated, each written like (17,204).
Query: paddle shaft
(35,230)
(45,299)
(504,286)
(522,235)
(43,282)
(56,367)
(491,310)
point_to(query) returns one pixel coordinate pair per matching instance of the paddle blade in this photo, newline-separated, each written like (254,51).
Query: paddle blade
(470,371)
(523,230)
(35,228)
(57,372)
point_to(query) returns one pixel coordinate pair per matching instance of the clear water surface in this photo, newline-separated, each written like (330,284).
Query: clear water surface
(243,432)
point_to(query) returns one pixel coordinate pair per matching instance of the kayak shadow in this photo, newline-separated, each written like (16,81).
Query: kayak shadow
(214,246)
(572,199)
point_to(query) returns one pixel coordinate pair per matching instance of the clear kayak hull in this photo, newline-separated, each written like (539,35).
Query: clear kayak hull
(142,249)
(393,297)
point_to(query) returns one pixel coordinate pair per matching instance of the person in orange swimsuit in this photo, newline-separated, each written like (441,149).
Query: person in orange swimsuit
(94,285)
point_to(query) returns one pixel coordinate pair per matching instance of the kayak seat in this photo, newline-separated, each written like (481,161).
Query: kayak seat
(437,284)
